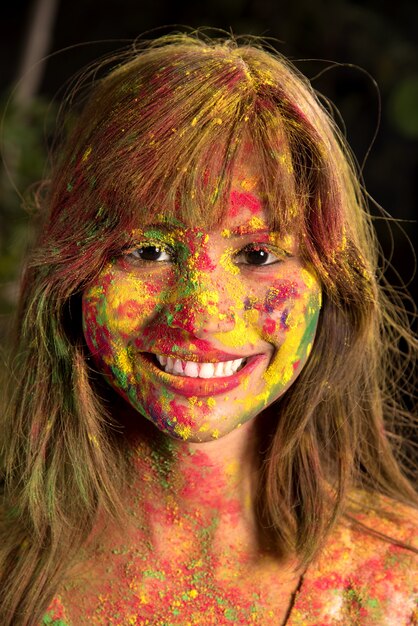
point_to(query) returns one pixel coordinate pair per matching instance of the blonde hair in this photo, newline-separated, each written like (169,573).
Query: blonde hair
(169,116)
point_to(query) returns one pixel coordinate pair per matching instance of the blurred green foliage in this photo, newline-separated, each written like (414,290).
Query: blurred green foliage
(25,134)
(403,106)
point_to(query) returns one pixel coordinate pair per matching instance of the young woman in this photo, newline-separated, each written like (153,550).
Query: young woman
(202,421)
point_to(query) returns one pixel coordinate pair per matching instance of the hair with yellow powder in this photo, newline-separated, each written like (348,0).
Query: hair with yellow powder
(158,137)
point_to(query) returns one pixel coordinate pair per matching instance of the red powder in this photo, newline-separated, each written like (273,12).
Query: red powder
(269,326)
(181,413)
(243,200)
(279,293)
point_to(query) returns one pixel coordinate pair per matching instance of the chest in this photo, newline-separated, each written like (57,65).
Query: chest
(138,589)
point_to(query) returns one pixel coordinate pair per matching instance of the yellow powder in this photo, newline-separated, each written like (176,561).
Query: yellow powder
(209,300)
(86,154)
(232,468)
(96,291)
(122,361)
(227,263)
(93,440)
(287,242)
(256,223)
(308,278)
(249,183)
(183,431)
(240,335)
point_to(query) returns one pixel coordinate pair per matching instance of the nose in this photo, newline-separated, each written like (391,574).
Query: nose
(200,308)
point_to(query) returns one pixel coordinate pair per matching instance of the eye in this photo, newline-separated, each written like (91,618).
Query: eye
(151,253)
(257,254)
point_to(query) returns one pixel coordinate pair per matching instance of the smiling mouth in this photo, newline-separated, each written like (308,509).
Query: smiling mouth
(209,380)
(193,369)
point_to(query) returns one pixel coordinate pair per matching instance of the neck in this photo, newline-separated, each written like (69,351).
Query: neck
(191,487)
(192,536)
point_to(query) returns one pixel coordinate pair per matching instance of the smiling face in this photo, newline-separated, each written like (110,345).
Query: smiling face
(200,331)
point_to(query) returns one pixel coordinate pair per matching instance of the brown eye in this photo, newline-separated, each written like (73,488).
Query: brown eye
(256,255)
(151,253)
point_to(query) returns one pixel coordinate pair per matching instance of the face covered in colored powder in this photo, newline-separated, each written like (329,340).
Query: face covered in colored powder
(200,331)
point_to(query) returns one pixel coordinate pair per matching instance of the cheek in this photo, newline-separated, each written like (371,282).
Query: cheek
(117,307)
(284,305)
(278,303)
(274,299)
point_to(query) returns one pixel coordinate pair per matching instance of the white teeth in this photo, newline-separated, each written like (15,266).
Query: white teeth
(191,369)
(178,367)
(207,370)
(219,369)
(236,364)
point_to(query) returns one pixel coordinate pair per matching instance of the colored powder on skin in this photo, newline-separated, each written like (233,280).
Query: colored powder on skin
(142,587)
(283,319)
(227,262)
(242,334)
(269,327)
(209,300)
(285,242)
(276,295)
(253,225)
(251,302)
(187,304)
(294,348)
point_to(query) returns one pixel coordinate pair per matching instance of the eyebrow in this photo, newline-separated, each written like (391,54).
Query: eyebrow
(154,229)
(228,233)
(166,227)
(245,229)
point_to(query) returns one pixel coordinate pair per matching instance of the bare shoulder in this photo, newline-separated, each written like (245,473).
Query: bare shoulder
(367,572)
(390,522)
(377,547)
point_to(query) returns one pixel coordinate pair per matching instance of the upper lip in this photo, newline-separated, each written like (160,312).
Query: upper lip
(177,344)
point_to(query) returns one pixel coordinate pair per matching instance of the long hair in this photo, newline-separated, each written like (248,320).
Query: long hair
(158,136)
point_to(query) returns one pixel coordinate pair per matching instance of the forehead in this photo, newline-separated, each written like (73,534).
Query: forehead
(247,165)
(244,207)
(231,195)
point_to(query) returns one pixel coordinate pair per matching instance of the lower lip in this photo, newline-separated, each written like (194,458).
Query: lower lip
(200,387)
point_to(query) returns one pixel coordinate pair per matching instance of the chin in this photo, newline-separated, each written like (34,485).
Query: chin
(193,433)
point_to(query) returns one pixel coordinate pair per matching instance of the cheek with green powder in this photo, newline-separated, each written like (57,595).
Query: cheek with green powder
(284,312)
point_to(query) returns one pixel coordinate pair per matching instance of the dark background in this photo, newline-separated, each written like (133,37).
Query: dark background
(374,39)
